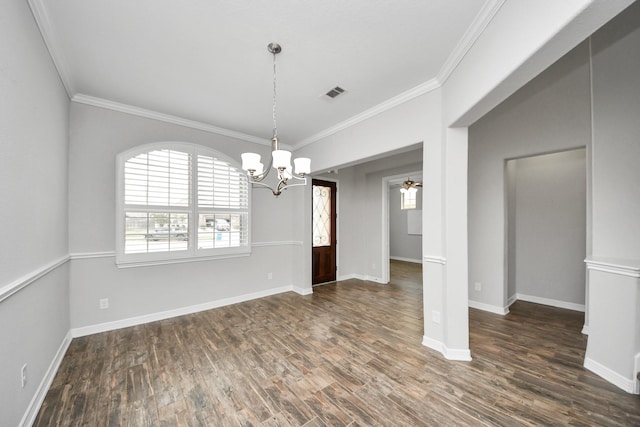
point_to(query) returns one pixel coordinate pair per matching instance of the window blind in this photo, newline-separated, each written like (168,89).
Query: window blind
(158,178)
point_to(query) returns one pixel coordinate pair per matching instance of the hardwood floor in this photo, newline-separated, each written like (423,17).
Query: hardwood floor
(348,355)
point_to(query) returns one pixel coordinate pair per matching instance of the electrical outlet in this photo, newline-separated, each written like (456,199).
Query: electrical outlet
(269,276)
(435,316)
(104,303)
(478,286)
(23,374)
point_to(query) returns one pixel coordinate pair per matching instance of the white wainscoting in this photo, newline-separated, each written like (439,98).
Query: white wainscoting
(36,402)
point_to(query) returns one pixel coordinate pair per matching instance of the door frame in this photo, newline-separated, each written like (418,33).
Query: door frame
(337,182)
(385,268)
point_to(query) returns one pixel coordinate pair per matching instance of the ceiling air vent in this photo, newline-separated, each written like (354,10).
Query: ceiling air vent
(335,92)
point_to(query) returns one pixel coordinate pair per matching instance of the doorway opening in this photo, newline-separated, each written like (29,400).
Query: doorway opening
(401,228)
(546,229)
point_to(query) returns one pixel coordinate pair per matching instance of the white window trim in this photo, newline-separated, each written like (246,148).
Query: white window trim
(191,254)
(404,201)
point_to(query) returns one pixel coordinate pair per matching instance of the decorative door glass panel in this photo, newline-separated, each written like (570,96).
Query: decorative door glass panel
(321,216)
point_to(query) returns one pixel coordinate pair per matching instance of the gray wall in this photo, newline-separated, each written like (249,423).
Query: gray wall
(550,228)
(33,190)
(590,97)
(616,139)
(401,244)
(360,212)
(614,299)
(97,136)
(551,113)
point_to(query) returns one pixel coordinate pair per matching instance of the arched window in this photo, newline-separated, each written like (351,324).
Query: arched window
(180,202)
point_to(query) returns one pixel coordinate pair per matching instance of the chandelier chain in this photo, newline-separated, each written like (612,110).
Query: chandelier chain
(275,127)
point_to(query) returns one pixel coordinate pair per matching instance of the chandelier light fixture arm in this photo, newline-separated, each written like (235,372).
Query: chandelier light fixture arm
(280,159)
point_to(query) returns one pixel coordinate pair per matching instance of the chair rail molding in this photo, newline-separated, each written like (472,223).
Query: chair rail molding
(630,268)
(434,259)
(24,281)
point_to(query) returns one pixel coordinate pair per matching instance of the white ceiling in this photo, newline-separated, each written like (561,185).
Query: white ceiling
(207,61)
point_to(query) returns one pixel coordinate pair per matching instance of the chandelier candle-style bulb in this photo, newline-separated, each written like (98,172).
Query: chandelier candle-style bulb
(250,161)
(281,159)
(303,165)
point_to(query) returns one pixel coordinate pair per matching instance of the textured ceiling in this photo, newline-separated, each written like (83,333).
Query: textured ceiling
(207,60)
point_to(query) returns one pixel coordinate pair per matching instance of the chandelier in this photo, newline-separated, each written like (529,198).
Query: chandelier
(280,159)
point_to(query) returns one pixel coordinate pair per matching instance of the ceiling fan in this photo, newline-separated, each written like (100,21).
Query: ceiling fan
(410,184)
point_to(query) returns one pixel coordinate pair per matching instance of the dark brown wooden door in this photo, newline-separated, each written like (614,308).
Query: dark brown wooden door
(323,226)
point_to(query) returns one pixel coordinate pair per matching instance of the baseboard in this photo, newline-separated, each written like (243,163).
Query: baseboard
(528,298)
(551,302)
(398,258)
(463,355)
(626,384)
(459,354)
(41,392)
(636,373)
(361,277)
(147,318)
(433,344)
(302,291)
(490,308)
(350,276)
(585,329)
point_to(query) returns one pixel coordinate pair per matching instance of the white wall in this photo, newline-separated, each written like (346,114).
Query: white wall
(550,228)
(97,136)
(397,128)
(551,113)
(33,190)
(403,245)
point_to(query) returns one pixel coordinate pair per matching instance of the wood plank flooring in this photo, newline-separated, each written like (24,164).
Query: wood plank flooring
(348,355)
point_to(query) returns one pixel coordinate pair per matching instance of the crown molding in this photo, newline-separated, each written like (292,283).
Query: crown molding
(168,118)
(480,22)
(484,17)
(421,89)
(477,27)
(49,37)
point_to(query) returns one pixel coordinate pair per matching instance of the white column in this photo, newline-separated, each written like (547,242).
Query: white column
(445,244)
